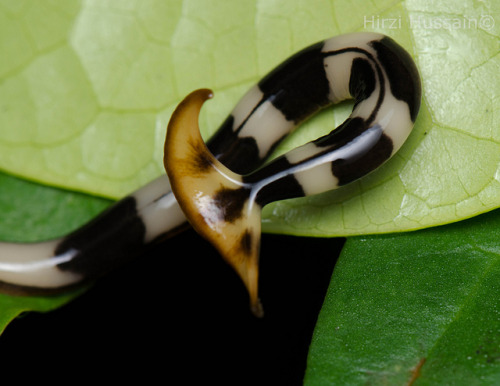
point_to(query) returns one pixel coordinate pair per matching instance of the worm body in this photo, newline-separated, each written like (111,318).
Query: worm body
(222,186)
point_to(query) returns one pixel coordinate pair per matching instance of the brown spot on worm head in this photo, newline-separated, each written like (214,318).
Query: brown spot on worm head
(201,161)
(231,201)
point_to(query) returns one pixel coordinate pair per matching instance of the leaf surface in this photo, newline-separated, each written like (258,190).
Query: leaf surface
(417,307)
(87,88)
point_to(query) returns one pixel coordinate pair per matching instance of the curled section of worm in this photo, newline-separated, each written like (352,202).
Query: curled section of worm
(224,205)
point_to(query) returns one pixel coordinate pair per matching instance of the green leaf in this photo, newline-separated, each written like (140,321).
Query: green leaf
(420,307)
(32,212)
(87,88)
(12,306)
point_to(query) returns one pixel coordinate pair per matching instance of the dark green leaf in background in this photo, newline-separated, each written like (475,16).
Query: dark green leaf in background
(34,212)
(428,300)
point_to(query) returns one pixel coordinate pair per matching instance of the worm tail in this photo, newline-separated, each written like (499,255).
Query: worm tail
(216,201)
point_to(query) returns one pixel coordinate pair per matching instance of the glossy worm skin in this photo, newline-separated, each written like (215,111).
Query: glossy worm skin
(225,206)
(221,187)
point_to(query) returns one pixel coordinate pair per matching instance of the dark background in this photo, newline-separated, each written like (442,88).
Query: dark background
(181,313)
